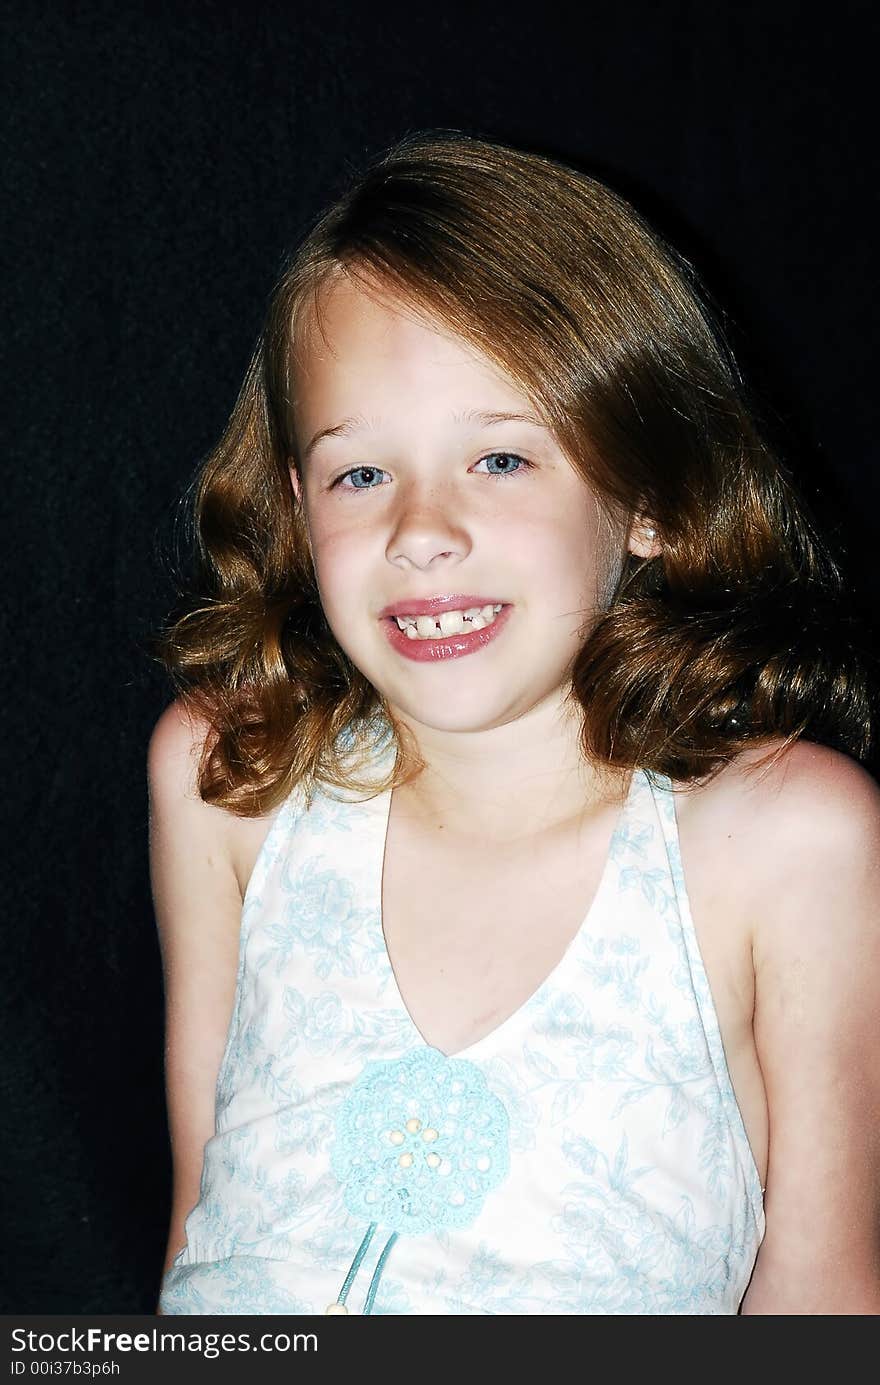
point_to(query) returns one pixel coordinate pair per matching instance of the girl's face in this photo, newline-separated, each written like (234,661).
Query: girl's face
(418,494)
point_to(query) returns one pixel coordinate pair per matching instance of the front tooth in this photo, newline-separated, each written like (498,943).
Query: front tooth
(426,625)
(451,623)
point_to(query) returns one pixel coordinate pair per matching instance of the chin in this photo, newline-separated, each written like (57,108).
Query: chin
(454,714)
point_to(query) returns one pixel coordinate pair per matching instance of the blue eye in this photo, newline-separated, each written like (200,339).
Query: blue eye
(506,456)
(358,471)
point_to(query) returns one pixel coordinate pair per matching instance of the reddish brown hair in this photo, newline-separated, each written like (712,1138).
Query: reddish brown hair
(735,634)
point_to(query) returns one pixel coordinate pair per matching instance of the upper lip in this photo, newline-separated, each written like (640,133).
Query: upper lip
(434,605)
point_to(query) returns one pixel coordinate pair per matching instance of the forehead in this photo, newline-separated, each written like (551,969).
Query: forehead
(366,337)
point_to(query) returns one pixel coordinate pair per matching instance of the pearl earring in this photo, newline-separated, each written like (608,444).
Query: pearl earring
(650,533)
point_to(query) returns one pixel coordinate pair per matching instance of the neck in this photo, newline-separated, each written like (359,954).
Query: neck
(508,783)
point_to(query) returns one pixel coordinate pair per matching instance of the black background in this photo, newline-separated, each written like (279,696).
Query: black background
(158,163)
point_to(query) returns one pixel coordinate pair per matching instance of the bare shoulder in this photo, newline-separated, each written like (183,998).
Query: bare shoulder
(190,839)
(808,824)
(174,755)
(797,838)
(812,782)
(175,751)
(787,813)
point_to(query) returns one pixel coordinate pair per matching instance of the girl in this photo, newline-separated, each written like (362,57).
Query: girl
(516,880)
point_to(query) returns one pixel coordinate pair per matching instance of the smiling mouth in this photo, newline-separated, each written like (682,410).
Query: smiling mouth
(430,645)
(459,622)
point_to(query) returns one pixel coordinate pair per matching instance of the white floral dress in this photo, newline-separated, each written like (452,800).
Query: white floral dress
(587,1156)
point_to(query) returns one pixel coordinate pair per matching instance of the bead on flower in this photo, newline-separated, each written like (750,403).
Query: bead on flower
(420,1142)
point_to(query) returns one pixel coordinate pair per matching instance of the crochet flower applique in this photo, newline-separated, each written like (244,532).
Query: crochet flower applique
(420,1142)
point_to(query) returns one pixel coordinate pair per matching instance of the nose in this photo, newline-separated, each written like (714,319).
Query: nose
(428,529)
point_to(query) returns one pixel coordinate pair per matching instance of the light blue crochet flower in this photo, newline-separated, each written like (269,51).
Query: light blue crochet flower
(420,1141)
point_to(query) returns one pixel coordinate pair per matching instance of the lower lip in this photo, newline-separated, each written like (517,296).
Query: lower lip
(445,646)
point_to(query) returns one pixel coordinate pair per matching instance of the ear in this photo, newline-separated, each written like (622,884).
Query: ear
(300,517)
(644,541)
(294,480)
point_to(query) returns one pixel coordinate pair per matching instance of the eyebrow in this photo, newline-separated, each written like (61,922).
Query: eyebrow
(359,424)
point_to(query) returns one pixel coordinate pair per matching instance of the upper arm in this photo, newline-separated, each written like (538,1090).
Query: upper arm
(817,989)
(197,905)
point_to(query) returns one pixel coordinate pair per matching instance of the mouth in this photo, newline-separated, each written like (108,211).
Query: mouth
(436,605)
(452,621)
(448,633)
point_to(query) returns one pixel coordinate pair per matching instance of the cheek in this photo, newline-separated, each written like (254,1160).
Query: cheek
(571,553)
(336,555)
